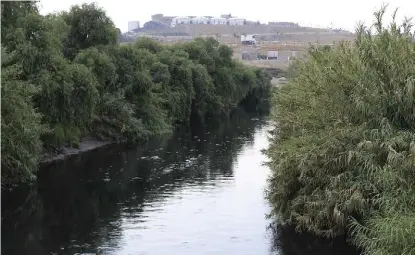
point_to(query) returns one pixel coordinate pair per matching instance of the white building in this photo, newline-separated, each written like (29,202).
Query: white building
(273,54)
(236,21)
(133,25)
(180,20)
(218,21)
(248,39)
(200,20)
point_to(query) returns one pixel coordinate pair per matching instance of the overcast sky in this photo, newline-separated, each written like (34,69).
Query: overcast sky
(320,13)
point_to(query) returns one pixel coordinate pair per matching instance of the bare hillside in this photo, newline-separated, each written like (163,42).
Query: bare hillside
(204,29)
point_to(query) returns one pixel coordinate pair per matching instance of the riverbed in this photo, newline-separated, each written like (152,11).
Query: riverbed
(200,191)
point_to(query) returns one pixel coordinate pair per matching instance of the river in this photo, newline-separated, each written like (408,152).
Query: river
(200,191)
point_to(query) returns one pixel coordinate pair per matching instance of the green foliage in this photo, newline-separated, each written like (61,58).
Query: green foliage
(80,83)
(11,14)
(20,126)
(89,26)
(102,66)
(115,120)
(66,100)
(205,101)
(148,44)
(37,44)
(179,90)
(256,83)
(342,151)
(233,83)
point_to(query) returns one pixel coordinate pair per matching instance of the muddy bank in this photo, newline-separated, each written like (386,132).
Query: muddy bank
(84,146)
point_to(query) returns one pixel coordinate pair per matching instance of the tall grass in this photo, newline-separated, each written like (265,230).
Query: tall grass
(343,149)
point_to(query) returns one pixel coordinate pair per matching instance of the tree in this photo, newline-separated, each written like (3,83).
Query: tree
(20,126)
(149,44)
(12,12)
(89,26)
(64,77)
(180,92)
(67,100)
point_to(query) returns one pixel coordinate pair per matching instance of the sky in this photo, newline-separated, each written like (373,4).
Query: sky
(343,14)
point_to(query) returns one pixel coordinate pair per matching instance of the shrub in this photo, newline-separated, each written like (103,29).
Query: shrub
(342,151)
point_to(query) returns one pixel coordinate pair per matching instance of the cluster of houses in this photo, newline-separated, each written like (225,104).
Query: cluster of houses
(161,21)
(207,20)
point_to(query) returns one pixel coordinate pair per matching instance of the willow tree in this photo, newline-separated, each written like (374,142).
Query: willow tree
(65,78)
(89,26)
(179,90)
(21,126)
(12,14)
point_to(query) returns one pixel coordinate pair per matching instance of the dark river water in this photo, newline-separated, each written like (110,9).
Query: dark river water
(200,191)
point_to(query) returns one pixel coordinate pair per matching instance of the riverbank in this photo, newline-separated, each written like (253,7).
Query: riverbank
(66,88)
(89,144)
(86,145)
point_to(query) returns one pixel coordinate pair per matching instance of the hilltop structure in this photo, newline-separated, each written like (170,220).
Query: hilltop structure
(133,25)
(160,18)
(173,21)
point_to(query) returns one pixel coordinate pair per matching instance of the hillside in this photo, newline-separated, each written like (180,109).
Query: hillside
(230,34)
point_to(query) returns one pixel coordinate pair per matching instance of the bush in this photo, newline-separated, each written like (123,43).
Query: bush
(342,151)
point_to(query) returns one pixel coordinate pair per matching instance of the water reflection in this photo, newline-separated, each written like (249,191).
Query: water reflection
(197,192)
(285,240)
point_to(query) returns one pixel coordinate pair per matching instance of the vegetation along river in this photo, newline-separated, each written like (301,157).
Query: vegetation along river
(200,191)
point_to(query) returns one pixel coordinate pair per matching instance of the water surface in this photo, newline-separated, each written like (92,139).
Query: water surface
(200,191)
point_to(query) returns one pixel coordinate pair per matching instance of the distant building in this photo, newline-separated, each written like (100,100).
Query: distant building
(226,16)
(200,20)
(272,54)
(173,21)
(236,21)
(157,17)
(132,25)
(248,39)
(218,21)
(162,19)
(180,20)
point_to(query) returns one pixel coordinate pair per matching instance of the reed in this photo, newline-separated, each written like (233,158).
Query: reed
(342,152)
